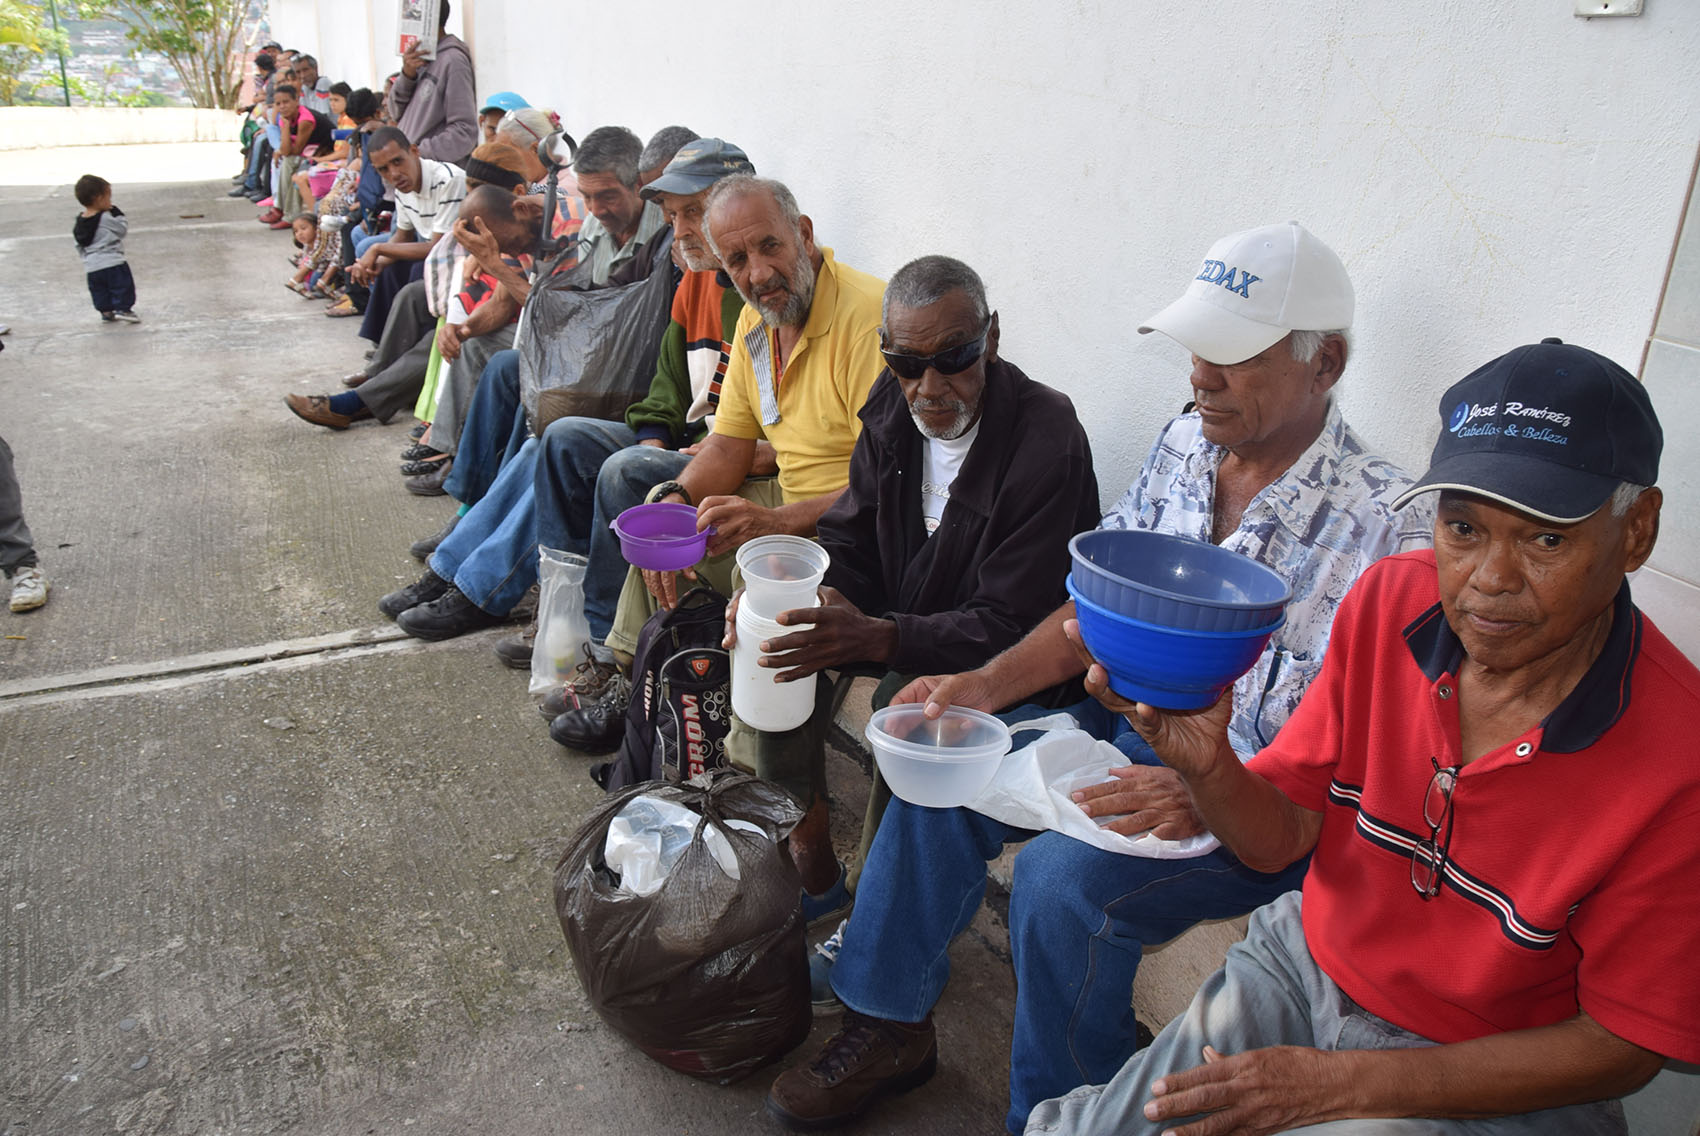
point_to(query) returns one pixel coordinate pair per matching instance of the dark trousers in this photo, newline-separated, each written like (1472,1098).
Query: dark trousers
(113,289)
(390,281)
(17,547)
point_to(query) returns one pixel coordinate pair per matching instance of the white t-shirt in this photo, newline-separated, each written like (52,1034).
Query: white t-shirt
(941,461)
(436,204)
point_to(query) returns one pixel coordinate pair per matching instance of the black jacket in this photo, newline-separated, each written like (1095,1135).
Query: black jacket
(996,565)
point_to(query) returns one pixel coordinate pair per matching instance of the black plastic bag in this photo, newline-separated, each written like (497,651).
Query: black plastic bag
(590,351)
(709,975)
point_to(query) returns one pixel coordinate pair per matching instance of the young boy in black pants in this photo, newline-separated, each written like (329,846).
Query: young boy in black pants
(100,241)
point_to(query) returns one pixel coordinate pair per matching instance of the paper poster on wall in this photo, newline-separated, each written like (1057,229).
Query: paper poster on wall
(417,26)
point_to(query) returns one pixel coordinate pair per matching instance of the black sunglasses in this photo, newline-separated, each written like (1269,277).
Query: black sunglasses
(950,361)
(1428,858)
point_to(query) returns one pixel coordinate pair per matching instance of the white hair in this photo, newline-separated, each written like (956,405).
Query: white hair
(1305,344)
(1624,496)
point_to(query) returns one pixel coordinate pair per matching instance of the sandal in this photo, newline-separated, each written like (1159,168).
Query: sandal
(343,307)
(418,430)
(423,466)
(296,286)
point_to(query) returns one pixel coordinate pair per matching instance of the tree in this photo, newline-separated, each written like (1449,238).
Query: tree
(22,41)
(204,40)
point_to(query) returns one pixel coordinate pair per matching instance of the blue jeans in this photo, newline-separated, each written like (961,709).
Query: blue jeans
(364,241)
(257,155)
(1271,992)
(591,471)
(493,432)
(492,553)
(1079,919)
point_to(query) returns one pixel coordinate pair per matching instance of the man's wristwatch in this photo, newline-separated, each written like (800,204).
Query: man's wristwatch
(667,489)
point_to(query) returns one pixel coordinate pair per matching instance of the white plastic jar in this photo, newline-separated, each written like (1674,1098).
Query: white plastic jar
(759,700)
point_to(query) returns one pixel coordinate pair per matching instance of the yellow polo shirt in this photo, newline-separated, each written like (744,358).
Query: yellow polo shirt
(809,412)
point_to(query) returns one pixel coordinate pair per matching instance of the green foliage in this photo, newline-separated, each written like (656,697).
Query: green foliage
(20,44)
(204,40)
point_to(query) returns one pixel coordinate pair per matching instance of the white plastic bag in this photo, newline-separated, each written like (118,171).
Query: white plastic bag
(647,837)
(1032,786)
(561,626)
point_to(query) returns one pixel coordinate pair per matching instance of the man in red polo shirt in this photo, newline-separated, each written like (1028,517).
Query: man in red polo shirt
(1492,775)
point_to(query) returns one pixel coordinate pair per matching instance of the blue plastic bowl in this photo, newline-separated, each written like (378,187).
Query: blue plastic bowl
(1168,667)
(1175,581)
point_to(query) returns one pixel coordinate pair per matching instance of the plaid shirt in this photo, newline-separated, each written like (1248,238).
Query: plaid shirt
(1319,525)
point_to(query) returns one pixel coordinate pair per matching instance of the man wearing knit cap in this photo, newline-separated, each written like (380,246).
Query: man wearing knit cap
(1497,932)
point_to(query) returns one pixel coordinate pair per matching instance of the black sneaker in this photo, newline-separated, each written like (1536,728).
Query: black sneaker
(423,590)
(598,727)
(448,615)
(515,651)
(422,549)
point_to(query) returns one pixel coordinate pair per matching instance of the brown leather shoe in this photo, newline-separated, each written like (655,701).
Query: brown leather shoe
(354,380)
(866,1059)
(316,408)
(515,650)
(591,680)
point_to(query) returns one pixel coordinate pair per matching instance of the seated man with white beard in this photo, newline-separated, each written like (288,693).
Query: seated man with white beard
(951,541)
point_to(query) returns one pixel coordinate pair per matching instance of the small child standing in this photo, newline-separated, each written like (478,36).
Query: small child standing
(100,242)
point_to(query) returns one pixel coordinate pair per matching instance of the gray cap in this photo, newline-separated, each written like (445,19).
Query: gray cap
(699,165)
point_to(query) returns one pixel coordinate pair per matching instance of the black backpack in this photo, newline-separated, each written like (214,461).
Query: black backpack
(681,706)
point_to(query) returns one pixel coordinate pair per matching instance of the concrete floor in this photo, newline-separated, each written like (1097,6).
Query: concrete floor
(264,867)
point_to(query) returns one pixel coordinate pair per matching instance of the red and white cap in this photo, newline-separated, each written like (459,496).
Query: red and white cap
(1254,288)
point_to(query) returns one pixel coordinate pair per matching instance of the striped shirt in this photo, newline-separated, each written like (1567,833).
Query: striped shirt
(1319,525)
(435,206)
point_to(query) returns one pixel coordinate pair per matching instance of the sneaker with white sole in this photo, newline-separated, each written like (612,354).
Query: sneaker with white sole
(821,960)
(29,588)
(127,316)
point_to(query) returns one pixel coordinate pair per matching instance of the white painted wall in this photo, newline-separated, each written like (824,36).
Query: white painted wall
(42,127)
(1490,172)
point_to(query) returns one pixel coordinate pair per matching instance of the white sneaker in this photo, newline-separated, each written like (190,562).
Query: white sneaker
(127,316)
(29,589)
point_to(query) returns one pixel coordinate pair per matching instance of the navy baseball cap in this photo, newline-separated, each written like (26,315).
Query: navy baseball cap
(1549,429)
(699,165)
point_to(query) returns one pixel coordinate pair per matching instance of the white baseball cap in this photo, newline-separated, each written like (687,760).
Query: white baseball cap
(1253,289)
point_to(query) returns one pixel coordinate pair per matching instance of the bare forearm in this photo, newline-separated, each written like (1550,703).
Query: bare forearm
(1040,660)
(406,250)
(719,467)
(510,280)
(492,314)
(800,517)
(1260,824)
(1572,1062)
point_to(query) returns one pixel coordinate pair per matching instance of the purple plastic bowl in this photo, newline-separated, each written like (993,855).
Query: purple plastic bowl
(662,537)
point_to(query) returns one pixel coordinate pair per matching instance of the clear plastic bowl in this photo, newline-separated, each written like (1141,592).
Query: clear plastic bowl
(1175,581)
(1168,667)
(781,573)
(939,763)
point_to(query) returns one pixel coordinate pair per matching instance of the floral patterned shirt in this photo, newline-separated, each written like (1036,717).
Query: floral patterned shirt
(1319,525)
